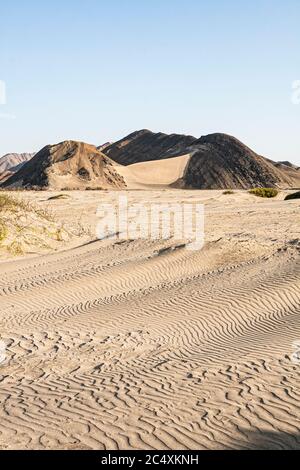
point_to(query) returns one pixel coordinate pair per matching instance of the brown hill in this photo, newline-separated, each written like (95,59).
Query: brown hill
(68,165)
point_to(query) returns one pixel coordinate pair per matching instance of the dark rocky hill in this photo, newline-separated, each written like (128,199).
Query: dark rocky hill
(144,146)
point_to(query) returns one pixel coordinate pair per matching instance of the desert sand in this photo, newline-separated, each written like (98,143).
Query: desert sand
(162,172)
(145,345)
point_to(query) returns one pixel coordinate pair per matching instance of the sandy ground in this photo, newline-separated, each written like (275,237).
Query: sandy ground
(146,345)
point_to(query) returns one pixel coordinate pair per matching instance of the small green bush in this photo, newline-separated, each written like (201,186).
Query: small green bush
(293,196)
(264,192)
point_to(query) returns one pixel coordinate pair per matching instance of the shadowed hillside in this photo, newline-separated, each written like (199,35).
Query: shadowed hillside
(221,161)
(145,146)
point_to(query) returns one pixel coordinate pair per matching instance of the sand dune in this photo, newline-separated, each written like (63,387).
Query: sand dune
(129,345)
(154,173)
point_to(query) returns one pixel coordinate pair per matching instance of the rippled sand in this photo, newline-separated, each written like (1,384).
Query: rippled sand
(146,345)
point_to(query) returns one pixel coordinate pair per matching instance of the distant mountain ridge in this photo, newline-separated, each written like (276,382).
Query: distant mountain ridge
(12,161)
(104,146)
(215,161)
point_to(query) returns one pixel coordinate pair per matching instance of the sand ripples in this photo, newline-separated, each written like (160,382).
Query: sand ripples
(132,346)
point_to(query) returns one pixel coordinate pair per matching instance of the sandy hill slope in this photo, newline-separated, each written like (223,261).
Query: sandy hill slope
(217,161)
(154,174)
(68,165)
(144,145)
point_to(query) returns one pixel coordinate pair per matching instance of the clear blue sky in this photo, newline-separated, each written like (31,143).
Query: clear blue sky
(96,70)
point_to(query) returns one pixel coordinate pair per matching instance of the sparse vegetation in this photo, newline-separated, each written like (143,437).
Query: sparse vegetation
(10,203)
(290,197)
(26,227)
(3,232)
(264,192)
(15,248)
(228,192)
